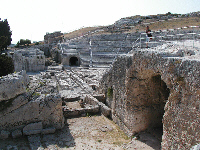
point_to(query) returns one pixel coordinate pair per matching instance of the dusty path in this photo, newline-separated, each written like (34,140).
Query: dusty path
(83,133)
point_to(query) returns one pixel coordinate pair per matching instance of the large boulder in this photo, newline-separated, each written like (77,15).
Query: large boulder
(46,109)
(13,85)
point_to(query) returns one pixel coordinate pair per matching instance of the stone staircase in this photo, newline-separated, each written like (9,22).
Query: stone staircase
(104,47)
(101,49)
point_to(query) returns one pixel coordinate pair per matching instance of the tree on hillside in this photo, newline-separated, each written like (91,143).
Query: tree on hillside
(5,35)
(23,42)
(6,65)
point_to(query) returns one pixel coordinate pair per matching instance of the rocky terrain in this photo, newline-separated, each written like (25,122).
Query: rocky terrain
(105,89)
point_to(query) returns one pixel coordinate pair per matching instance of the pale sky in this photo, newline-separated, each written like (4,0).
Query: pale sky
(31,19)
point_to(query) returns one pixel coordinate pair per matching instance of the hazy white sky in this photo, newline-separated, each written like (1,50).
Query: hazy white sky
(31,19)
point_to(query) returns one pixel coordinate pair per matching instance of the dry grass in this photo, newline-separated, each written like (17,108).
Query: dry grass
(153,24)
(80,32)
(167,24)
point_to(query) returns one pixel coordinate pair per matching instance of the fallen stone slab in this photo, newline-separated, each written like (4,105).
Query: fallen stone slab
(33,128)
(48,130)
(100,97)
(80,111)
(105,110)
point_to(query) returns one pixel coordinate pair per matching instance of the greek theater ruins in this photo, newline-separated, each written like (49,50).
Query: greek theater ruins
(140,89)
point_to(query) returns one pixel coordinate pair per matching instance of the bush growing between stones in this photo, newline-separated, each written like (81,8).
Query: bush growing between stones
(6,65)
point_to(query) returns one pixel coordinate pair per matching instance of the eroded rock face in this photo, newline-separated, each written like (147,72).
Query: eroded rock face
(31,60)
(45,109)
(147,85)
(13,85)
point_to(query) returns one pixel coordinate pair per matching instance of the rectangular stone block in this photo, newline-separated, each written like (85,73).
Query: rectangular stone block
(48,130)
(33,128)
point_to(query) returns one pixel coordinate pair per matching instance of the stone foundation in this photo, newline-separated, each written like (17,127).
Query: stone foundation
(31,60)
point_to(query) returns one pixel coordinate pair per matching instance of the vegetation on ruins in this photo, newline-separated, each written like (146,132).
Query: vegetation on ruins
(110,92)
(23,42)
(6,65)
(5,34)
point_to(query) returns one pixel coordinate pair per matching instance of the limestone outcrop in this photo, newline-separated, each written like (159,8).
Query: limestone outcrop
(154,88)
(31,60)
(13,85)
(45,109)
(29,109)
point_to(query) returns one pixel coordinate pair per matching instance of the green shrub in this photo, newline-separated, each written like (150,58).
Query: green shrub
(37,43)
(6,65)
(110,92)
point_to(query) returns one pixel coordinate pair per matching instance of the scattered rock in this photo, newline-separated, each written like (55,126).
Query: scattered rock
(48,130)
(33,128)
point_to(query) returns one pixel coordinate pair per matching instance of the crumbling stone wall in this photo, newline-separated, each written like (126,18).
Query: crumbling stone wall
(21,108)
(13,85)
(55,37)
(22,111)
(31,60)
(145,86)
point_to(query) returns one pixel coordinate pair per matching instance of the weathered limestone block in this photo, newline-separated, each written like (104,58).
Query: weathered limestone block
(33,128)
(80,111)
(48,130)
(13,85)
(154,90)
(29,60)
(105,110)
(14,104)
(46,109)
(50,109)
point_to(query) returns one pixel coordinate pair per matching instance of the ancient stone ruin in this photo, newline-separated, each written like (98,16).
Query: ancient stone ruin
(53,38)
(31,60)
(26,112)
(152,89)
(156,88)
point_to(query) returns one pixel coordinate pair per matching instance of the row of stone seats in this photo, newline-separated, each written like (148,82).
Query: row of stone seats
(103,45)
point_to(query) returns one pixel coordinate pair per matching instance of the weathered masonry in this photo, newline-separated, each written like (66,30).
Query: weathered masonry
(152,89)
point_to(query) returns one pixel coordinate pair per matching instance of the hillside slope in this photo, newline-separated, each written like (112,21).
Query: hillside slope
(138,23)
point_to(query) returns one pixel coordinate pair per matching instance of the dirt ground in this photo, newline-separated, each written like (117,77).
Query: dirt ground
(84,133)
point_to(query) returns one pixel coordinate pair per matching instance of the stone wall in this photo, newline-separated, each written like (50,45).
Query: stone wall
(22,109)
(55,37)
(145,85)
(46,109)
(31,60)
